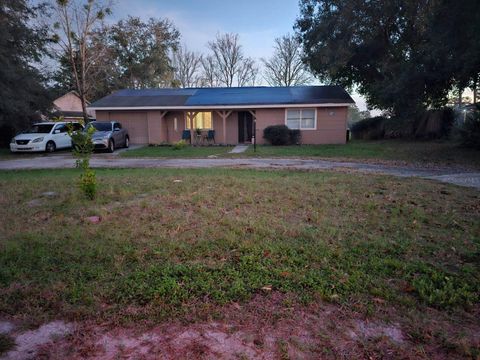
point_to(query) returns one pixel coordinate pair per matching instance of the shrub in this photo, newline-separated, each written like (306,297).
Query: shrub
(295,137)
(468,133)
(433,124)
(82,150)
(7,131)
(369,129)
(179,145)
(277,134)
(88,183)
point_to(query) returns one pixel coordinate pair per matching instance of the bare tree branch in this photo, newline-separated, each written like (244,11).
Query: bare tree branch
(247,73)
(187,65)
(209,72)
(228,62)
(285,67)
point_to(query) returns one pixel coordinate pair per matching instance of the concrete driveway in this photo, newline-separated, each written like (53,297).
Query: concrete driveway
(66,160)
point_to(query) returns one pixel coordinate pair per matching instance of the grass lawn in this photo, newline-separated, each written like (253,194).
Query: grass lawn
(169,152)
(166,248)
(434,152)
(417,152)
(5,154)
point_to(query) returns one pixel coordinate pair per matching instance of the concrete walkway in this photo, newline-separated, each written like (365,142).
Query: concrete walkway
(239,149)
(59,161)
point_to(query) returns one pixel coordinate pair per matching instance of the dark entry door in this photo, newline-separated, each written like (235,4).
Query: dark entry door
(245,127)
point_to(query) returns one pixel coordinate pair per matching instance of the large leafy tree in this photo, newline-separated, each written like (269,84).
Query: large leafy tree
(22,46)
(453,40)
(128,54)
(141,51)
(404,55)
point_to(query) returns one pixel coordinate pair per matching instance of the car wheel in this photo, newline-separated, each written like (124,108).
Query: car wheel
(111,146)
(127,142)
(50,147)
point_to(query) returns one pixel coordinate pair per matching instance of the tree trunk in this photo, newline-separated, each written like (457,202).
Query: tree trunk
(460,93)
(82,89)
(84,108)
(475,90)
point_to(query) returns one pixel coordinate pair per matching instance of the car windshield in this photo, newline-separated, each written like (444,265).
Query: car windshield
(101,126)
(39,129)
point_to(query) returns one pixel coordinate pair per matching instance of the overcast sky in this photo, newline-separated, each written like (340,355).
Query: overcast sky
(257,22)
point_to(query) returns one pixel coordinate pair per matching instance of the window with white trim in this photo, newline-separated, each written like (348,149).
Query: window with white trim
(302,119)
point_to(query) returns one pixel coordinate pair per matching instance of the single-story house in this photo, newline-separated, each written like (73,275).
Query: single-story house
(154,116)
(69,106)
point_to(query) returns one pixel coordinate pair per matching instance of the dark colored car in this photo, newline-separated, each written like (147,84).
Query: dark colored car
(109,135)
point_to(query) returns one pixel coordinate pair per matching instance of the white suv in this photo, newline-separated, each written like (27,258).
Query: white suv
(45,136)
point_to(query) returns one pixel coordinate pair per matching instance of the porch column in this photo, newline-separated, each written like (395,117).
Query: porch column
(190,116)
(163,127)
(254,133)
(224,114)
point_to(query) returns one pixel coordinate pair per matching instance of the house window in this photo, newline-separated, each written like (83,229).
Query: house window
(202,120)
(303,119)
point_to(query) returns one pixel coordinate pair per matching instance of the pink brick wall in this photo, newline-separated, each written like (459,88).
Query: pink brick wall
(331,125)
(171,134)
(147,126)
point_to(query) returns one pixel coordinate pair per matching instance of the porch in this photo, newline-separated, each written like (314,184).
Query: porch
(205,127)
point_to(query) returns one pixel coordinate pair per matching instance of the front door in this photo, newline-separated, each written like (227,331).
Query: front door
(245,127)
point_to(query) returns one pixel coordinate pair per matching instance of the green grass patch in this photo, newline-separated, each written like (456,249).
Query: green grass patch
(7,343)
(359,150)
(6,154)
(172,239)
(436,152)
(421,152)
(172,152)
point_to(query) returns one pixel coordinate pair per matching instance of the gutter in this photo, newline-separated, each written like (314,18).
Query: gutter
(218,107)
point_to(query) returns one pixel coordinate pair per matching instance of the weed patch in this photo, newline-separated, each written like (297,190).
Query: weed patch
(6,343)
(174,240)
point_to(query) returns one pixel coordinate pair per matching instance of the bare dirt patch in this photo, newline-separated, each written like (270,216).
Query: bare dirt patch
(29,343)
(268,327)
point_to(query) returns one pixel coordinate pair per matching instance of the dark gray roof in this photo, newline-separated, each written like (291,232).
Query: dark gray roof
(202,97)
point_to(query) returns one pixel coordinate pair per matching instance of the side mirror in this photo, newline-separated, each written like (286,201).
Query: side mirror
(116,129)
(56,131)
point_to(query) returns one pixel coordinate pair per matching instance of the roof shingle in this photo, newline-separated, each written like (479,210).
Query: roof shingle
(201,97)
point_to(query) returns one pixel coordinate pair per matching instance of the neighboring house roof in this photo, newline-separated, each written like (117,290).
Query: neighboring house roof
(73,92)
(69,114)
(69,105)
(224,97)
